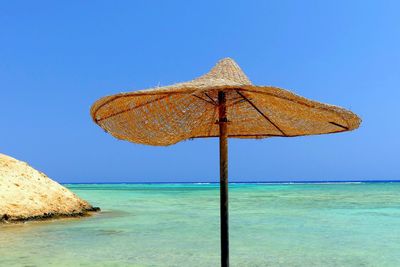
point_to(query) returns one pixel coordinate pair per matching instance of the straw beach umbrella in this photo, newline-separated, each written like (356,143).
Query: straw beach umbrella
(222,103)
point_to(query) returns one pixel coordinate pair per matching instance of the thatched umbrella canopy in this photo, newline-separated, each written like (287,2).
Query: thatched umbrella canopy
(222,103)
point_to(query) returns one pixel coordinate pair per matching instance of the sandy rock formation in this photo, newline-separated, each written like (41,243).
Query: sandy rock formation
(27,194)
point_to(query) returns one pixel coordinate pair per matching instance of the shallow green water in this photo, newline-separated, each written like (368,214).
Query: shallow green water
(178,225)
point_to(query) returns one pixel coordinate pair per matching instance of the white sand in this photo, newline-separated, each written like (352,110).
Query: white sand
(26,193)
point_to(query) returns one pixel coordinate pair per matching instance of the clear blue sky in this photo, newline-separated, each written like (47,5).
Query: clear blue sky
(57,58)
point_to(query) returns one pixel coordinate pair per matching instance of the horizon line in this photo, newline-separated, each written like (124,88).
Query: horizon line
(245,182)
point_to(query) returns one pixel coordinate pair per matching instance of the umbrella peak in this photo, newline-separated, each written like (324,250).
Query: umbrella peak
(226,69)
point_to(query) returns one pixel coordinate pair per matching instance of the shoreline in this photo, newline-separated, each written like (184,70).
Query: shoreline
(6,219)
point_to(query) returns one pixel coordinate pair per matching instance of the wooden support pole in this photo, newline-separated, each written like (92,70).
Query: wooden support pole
(223,165)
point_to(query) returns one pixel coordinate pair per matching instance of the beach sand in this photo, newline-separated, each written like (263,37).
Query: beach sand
(27,194)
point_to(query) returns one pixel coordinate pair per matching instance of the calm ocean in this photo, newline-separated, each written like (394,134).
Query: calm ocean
(332,224)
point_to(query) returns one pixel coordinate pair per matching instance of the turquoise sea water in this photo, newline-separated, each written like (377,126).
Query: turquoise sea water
(356,224)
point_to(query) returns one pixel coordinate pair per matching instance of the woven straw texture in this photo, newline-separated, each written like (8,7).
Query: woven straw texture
(166,115)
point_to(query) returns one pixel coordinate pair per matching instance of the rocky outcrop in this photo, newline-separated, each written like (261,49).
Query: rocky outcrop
(27,194)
